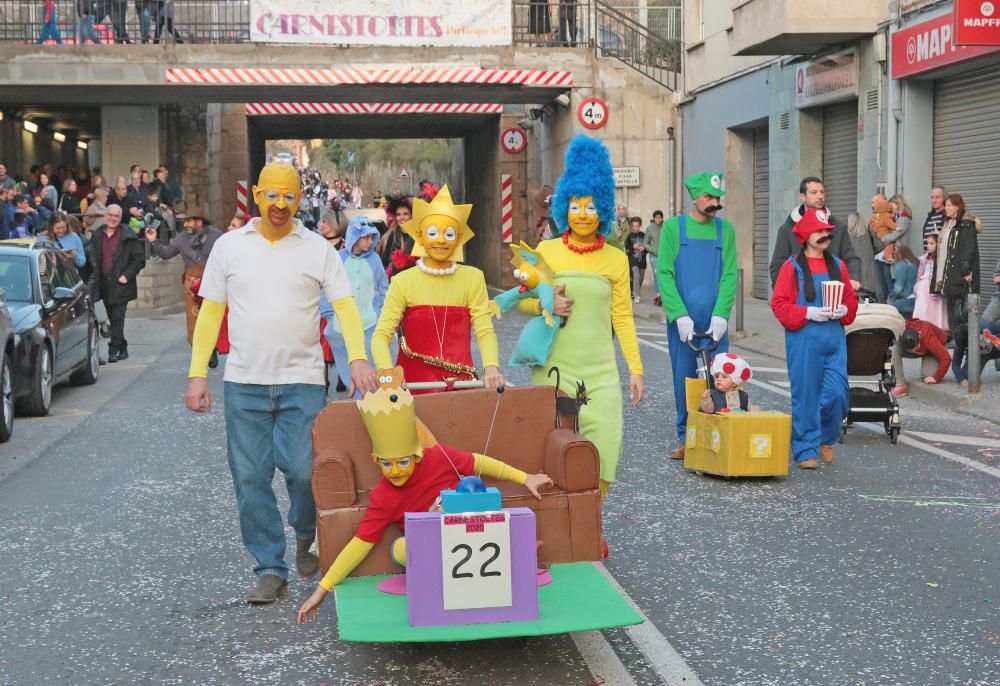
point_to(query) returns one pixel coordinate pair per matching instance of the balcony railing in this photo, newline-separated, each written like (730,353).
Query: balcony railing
(622,37)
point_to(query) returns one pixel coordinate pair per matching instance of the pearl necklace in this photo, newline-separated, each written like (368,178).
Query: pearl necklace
(437,272)
(593,247)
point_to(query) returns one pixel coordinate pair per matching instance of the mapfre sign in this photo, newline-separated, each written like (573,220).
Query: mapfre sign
(977,22)
(930,45)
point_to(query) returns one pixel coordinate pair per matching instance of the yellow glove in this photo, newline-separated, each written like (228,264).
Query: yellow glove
(350,557)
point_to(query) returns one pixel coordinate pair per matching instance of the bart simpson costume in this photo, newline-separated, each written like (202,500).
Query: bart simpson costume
(415,469)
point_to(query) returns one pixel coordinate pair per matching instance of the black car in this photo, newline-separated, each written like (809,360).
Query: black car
(55,329)
(6,370)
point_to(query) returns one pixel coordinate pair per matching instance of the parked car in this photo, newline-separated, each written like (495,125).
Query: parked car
(54,324)
(6,370)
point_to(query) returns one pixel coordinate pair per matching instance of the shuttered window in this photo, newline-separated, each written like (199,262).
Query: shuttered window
(840,158)
(761,256)
(967,155)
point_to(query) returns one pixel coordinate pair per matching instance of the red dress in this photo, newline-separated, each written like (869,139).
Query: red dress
(438,331)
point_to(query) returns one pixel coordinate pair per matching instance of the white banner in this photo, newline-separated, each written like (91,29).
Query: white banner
(469,23)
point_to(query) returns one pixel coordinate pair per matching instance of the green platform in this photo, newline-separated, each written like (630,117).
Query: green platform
(579,598)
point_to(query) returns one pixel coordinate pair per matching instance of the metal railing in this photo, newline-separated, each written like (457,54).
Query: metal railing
(130,21)
(541,23)
(625,39)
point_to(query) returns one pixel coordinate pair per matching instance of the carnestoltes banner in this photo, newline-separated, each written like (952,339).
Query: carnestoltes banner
(469,23)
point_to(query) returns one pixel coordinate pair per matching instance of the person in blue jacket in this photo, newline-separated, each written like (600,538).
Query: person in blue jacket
(369,283)
(71,243)
(901,296)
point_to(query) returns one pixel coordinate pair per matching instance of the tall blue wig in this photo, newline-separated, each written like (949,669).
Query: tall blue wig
(588,172)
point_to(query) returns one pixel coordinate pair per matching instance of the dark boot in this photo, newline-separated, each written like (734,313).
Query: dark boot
(123,353)
(267,590)
(213,361)
(112,356)
(305,562)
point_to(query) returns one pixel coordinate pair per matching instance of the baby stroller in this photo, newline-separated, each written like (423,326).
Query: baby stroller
(870,339)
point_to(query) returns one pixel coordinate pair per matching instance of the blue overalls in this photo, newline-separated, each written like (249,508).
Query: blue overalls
(697,273)
(817,368)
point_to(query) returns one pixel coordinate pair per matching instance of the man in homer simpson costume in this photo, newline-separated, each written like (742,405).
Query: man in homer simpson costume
(415,469)
(696,275)
(436,303)
(270,274)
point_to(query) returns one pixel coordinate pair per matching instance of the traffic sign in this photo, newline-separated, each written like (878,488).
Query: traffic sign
(626,177)
(404,174)
(513,140)
(593,113)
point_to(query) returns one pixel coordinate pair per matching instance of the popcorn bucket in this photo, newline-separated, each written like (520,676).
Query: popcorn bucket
(833,294)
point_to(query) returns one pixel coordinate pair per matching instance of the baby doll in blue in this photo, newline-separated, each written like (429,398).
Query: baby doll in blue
(536,281)
(369,285)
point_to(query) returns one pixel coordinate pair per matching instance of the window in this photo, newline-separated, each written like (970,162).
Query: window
(66,275)
(46,275)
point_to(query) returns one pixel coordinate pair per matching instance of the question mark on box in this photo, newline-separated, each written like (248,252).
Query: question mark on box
(761,444)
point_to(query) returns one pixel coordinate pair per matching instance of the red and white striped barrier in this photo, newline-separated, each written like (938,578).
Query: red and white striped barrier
(507,208)
(272,108)
(241,199)
(334,77)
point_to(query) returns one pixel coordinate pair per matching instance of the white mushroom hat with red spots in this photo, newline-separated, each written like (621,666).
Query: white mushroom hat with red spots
(733,366)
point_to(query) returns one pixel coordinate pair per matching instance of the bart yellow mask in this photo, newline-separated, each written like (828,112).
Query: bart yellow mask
(398,470)
(278,193)
(582,216)
(439,228)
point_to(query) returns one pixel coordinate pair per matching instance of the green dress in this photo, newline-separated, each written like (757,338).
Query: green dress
(588,328)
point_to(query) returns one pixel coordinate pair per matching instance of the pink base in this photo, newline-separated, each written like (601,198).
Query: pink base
(396,584)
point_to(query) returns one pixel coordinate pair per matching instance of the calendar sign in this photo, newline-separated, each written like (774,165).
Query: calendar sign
(513,140)
(475,560)
(593,113)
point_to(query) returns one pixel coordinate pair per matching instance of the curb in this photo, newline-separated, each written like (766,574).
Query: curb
(970,404)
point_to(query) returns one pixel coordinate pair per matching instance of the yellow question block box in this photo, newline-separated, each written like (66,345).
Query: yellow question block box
(735,443)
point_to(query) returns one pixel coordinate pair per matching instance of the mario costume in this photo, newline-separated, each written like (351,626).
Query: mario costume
(815,342)
(696,276)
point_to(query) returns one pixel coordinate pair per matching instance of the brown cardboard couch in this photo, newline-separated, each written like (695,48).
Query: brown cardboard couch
(524,435)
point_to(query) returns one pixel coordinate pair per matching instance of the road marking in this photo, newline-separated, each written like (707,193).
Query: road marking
(662,656)
(601,658)
(904,438)
(959,440)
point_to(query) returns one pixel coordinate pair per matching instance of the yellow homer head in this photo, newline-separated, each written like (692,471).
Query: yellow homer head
(439,228)
(278,193)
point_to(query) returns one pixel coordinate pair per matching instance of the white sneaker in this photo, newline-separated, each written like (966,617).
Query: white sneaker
(637,299)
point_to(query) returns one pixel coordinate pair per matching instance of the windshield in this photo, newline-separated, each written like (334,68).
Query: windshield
(15,278)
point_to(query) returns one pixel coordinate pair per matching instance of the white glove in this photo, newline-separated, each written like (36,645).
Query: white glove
(685,328)
(718,328)
(840,312)
(818,314)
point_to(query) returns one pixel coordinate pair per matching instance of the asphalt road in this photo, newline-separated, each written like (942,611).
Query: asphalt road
(121,562)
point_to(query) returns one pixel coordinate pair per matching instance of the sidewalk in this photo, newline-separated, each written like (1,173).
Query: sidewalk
(763,335)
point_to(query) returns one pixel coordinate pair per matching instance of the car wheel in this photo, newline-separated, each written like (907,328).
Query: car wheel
(38,401)
(87,375)
(6,401)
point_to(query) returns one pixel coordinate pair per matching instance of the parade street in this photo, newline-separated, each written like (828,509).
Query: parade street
(121,560)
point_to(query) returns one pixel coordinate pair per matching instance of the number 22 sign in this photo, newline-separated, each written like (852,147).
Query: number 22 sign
(593,113)
(475,560)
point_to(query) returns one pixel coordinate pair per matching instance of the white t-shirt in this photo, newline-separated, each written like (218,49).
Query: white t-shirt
(273,295)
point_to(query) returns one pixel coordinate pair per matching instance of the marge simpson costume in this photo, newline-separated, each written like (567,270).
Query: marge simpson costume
(415,469)
(435,304)
(596,278)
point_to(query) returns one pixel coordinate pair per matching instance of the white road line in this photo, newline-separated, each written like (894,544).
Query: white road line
(662,656)
(959,440)
(601,658)
(904,438)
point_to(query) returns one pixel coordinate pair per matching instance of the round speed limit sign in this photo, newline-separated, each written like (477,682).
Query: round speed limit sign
(593,113)
(513,140)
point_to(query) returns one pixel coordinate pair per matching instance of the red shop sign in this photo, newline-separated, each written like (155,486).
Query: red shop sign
(930,45)
(977,22)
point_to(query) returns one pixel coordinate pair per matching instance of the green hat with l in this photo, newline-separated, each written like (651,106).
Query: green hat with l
(705,182)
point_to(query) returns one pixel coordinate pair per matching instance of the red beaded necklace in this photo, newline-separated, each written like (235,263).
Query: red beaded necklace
(593,247)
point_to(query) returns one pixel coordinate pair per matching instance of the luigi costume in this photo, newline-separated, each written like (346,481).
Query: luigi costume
(696,275)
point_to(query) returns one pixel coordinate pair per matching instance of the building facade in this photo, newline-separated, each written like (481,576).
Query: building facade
(871,96)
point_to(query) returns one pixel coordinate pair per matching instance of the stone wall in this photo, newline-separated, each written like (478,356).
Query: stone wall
(160,288)
(184,147)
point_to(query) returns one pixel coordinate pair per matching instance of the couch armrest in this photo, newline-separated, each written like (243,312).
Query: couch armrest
(572,461)
(333,480)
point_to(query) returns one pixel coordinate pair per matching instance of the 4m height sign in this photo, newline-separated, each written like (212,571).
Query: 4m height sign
(469,23)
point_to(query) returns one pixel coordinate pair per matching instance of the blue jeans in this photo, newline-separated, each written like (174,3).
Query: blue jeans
(904,305)
(268,427)
(49,30)
(339,348)
(144,23)
(86,31)
(883,281)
